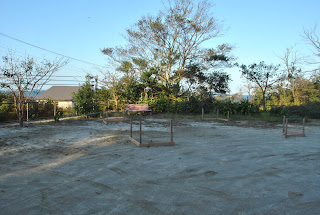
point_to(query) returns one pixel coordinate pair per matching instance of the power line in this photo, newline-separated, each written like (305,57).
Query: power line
(68,66)
(38,47)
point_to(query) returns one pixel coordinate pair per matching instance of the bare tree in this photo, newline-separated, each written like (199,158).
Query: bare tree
(24,78)
(112,81)
(292,60)
(312,36)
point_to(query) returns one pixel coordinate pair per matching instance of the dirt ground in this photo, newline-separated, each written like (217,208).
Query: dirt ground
(87,167)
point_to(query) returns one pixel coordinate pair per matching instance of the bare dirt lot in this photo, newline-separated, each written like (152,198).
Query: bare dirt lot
(87,167)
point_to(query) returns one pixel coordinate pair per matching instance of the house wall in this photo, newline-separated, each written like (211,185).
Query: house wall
(65,104)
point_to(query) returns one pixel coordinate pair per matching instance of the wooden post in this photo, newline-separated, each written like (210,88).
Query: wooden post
(202,117)
(228,116)
(27,111)
(303,128)
(107,115)
(171,130)
(286,129)
(54,108)
(140,132)
(284,124)
(131,127)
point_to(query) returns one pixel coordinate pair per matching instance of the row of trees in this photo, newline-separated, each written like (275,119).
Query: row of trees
(164,59)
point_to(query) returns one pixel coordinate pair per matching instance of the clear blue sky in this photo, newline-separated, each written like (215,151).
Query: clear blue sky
(79,29)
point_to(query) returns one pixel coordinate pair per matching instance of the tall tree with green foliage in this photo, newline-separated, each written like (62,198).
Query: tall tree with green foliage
(263,75)
(169,41)
(205,76)
(85,98)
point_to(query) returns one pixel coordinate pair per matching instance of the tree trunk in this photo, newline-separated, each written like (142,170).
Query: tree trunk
(20,114)
(294,93)
(264,100)
(116,101)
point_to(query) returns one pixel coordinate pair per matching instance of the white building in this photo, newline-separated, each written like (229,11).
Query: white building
(62,95)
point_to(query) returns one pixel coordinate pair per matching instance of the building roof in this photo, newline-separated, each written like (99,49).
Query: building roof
(58,93)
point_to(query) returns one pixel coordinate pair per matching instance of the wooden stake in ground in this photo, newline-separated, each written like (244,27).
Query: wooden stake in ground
(140,131)
(171,130)
(202,114)
(288,133)
(303,129)
(131,127)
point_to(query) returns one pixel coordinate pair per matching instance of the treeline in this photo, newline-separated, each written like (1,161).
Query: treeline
(89,100)
(165,65)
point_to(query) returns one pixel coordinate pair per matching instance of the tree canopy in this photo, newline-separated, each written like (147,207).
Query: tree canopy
(168,43)
(265,76)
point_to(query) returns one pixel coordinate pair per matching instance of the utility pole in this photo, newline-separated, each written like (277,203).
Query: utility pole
(96,85)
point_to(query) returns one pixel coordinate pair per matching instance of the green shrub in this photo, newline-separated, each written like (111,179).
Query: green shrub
(4,110)
(160,106)
(279,110)
(69,112)
(193,106)
(311,110)
(57,117)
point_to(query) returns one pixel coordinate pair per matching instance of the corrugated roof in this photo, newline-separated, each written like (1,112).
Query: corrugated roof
(58,93)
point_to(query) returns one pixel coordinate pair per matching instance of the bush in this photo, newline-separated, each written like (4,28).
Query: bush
(279,110)
(161,105)
(311,110)
(193,106)
(242,108)
(69,112)
(4,110)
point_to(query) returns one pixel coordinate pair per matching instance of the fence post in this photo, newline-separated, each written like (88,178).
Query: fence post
(303,128)
(131,127)
(228,116)
(286,130)
(171,130)
(27,111)
(284,124)
(202,116)
(54,108)
(140,132)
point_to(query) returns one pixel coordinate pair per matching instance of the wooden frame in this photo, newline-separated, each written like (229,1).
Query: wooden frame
(138,108)
(288,133)
(140,144)
(217,118)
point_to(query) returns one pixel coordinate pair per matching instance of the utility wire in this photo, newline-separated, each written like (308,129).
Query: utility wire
(72,58)
(73,68)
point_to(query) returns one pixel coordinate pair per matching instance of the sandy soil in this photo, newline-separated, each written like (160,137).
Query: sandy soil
(87,167)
